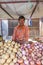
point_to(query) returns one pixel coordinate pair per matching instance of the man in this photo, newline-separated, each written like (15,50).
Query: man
(21,32)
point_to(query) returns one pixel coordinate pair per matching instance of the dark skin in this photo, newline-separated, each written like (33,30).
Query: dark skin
(21,21)
(21,24)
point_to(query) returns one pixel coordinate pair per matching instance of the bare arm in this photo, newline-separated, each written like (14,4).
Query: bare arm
(14,35)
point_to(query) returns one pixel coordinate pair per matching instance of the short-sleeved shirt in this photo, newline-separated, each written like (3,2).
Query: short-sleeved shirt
(20,33)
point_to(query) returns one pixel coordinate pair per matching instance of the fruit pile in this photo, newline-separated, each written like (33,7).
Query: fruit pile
(12,53)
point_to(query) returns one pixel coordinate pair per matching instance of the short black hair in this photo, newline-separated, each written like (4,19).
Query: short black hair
(21,17)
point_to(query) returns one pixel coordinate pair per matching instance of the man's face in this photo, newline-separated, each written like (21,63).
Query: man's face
(21,22)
